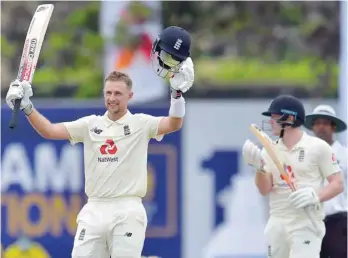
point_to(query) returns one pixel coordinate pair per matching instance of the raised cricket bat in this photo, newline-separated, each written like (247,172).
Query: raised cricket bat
(269,146)
(31,50)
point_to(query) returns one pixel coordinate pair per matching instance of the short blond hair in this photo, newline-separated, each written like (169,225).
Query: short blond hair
(119,76)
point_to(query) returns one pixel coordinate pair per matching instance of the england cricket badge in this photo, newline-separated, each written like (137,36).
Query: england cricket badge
(301,155)
(126,130)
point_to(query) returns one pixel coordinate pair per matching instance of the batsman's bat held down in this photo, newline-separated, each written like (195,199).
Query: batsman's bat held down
(280,163)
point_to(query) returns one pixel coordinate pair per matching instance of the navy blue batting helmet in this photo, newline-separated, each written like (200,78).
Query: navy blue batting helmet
(286,105)
(169,50)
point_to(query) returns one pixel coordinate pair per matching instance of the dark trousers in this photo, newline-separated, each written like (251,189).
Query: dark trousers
(335,240)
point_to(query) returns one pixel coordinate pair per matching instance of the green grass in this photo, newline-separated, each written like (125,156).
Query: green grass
(226,72)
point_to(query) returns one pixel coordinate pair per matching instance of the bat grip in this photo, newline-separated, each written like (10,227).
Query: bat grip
(14,116)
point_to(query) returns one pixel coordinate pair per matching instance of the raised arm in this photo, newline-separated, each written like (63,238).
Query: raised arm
(22,90)
(174,121)
(46,129)
(179,83)
(73,131)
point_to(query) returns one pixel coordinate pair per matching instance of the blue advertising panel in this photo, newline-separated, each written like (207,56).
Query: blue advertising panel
(42,186)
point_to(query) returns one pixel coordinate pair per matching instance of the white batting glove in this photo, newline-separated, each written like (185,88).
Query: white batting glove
(252,155)
(20,90)
(183,80)
(304,197)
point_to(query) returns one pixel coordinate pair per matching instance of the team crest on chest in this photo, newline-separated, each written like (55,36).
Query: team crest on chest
(126,130)
(301,155)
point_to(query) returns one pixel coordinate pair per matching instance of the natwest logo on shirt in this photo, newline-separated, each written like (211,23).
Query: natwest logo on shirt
(108,148)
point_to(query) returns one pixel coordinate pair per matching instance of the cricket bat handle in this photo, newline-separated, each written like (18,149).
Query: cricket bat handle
(13,121)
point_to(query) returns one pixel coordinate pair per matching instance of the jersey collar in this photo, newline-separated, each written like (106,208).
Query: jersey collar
(300,145)
(120,121)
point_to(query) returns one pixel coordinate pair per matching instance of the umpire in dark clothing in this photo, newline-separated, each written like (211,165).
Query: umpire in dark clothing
(324,123)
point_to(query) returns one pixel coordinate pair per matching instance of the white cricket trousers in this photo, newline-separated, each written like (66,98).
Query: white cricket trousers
(293,240)
(110,228)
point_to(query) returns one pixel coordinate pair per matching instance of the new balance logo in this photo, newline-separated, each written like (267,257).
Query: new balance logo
(307,242)
(178,44)
(96,130)
(128,234)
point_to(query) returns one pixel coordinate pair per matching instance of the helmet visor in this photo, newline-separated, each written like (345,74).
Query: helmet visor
(167,61)
(164,64)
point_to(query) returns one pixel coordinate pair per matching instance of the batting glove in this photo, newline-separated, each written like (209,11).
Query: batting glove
(20,90)
(304,197)
(183,80)
(252,155)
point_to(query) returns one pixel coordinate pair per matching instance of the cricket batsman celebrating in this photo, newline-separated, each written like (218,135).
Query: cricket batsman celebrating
(289,231)
(113,221)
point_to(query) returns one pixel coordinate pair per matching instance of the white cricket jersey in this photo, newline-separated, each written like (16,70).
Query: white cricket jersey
(339,203)
(311,161)
(115,153)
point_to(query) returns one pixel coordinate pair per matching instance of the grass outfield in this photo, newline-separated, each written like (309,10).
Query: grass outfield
(227,72)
